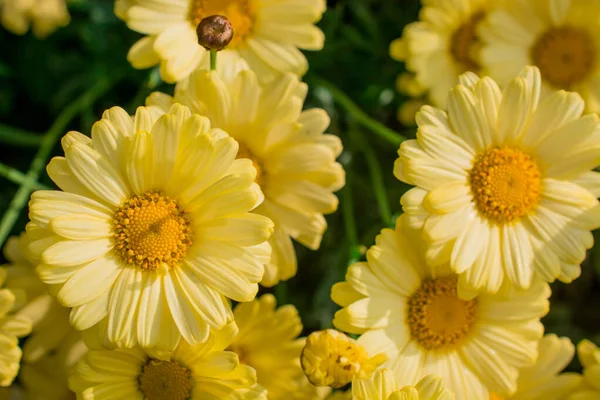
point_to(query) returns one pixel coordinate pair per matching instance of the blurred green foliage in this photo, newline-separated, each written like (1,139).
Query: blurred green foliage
(39,79)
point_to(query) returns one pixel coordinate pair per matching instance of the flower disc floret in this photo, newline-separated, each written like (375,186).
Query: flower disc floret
(165,380)
(151,229)
(565,55)
(438,319)
(506,184)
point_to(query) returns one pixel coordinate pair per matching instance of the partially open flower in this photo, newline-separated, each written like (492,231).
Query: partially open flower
(331,358)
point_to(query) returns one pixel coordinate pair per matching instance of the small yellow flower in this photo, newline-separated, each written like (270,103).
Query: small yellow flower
(48,377)
(331,358)
(544,380)
(152,231)
(589,356)
(12,327)
(561,38)
(266,339)
(443,44)
(45,16)
(267,34)
(50,320)
(382,386)
(191,372)
(409,309)
(295,159)
(505,187)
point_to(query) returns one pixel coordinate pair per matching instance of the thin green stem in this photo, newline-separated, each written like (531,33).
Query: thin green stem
(359,115)
(348,213)
(16,176)
(376,176)
(19,137)
(213,60)
(37,165)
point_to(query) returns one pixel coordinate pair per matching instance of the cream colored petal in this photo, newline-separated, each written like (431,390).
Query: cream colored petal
(89,314)
(190,323)
(448,198)
(466,120)
(513,113)
(70,252)
(553,112)
(63,177)
(235,278)
(81,227)
(281,57)
(517,255)
(155,325)
(91,281)
(569,136)
(140,163)
(210,305)
(123,307)
(97,174)
(244,230)
(220,159)
(165,141)
(590,181)
(152,21)
(494,371)
(47,205)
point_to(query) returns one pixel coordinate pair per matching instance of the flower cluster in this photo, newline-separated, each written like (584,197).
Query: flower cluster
(139,276)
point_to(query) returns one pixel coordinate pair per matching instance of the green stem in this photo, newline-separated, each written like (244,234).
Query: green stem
(16,176)
(359,115)
(376,176)
(39,162)
(213,60)
(19,137)
(348,213)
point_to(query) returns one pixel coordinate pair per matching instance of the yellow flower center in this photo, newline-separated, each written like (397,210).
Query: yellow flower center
(151,229)
(238,12)
(565,56)
(463,42)
(494,396)
(164,380)
(437,318)
(244,152)
(505,184)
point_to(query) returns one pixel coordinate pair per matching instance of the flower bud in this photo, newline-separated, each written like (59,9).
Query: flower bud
(214,32)
(331,358)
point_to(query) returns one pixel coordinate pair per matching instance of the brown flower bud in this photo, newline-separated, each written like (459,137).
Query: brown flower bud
(214,32)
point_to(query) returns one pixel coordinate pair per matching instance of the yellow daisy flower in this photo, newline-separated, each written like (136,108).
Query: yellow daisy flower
(382,386)
(503,184)
(544,381)
(589,356)
(561,38)
(12,327)
(196,372)
(48,377)
(266,339)
(44,16)
(50,320)
(267,34)
(296,165)
(151,233)
(410,310)
(442,44)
